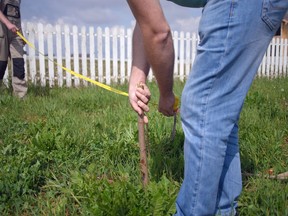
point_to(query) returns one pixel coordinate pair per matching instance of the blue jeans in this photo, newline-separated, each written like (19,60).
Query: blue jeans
(234,35)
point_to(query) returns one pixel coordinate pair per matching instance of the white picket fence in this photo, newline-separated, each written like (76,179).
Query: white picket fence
(105,55)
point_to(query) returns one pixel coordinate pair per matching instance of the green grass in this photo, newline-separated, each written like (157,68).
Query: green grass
(75,152)
(264,145)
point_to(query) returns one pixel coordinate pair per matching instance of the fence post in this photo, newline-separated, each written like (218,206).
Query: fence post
(31,51)
(75,54)
(115,53)
(175,42)
(277,57)
(187,54)
(181,56)
(285,60)
(129,51)
(194,48)
(50,55)
(107,56)
(273,58)
(59,55)
(99,54)
(122,55)
(268,64)
(92,53)
(67,55)
(262,66)
(84,53)
(41,56)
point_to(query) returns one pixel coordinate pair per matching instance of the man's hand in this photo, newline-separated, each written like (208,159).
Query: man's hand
(139,97)
(12,27)
(167,105)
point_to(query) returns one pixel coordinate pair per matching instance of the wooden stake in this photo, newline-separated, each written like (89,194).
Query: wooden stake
(143,154)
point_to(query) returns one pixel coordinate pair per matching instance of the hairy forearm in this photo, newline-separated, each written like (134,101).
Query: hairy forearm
(140,65)
(161,58)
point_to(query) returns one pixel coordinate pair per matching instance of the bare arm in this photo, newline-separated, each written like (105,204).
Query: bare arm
(139,72)
(6,22)
(158,48)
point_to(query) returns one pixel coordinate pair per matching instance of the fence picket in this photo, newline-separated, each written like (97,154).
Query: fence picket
(280,59)
(261,70)
(268,64)
(187,54)
(175,42)
(122,55)
(50,50)
(41,57)
(75,55)
(129,51)
(68,77)
(59,55)
(277,52)
(107,56)
(99,54)
(84,53)
(194,47)
(115,53)
(285,59)
(273,57)
(92,53)
(181,56)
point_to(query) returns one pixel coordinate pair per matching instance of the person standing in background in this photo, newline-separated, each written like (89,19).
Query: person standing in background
(11,45)
(234,36)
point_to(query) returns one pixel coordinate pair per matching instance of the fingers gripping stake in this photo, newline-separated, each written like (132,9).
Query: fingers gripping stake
(142,146)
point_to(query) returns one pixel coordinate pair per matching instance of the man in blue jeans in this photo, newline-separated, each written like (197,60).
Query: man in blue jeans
(234,35)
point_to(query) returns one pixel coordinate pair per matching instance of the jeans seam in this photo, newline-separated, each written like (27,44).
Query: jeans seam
(198,177)
(232,7)
(265,17)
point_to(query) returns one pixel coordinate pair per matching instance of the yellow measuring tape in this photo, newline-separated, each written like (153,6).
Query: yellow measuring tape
(73,72)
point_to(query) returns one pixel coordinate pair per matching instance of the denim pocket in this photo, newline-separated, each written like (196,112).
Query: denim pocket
(273,11)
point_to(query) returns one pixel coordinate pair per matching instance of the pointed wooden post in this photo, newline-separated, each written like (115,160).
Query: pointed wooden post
(143,152)
(142,146)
